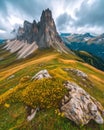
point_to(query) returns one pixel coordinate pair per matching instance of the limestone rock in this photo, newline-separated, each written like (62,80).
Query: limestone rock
(31,112)
(80,107)
(81,77)
(22,48)
(77,72)
(10,77)
(42,34)
(41,74)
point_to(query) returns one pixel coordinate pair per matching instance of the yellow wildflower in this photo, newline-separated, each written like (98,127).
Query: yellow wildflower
(62,114)
(59,114)
(7,105)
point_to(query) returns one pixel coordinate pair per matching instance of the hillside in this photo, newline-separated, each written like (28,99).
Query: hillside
(15,78)
(91,59)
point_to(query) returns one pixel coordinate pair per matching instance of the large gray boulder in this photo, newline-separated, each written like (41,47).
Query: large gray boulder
(80,107)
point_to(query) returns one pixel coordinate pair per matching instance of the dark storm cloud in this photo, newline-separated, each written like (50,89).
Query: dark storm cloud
(30,8)
(63,21)
(23,9)
(90,14)
(3,8)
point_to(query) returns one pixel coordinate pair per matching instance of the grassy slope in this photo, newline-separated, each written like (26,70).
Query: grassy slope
(92,60)
(14,116)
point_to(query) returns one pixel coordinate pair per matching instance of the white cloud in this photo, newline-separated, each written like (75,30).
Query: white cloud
(84,12)
(2,31)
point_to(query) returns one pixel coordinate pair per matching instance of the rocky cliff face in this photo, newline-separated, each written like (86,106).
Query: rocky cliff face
(33,36)
(44,33)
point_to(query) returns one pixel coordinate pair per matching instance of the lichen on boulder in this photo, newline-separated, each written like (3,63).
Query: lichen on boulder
(80,107)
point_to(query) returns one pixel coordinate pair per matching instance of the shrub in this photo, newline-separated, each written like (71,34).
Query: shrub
(12,93)
(45,93)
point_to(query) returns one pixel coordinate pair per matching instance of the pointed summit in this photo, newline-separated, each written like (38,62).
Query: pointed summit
(42,34)
(48,35)
(46,15)
(47,30)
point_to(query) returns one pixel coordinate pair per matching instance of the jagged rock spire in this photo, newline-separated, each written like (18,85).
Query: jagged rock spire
(44,33)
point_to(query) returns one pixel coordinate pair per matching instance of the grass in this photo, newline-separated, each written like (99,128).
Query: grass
(49,120)
(13,118)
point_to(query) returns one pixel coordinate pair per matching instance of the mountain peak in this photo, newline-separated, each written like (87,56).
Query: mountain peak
(87,35)
(44,33)
(40,35)
(47,14)
(47,19)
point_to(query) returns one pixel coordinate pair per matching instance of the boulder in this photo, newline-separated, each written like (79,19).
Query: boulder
(41,74)
(80,107)
(77,72)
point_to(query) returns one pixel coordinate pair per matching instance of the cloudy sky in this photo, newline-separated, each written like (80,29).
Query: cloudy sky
(76,16)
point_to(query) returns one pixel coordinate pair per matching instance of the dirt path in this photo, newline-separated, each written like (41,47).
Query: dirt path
(9,72)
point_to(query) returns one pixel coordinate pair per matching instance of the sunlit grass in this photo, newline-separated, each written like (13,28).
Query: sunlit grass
(14,116)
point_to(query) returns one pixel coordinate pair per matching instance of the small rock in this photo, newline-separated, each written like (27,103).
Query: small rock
(10,77)
(31,112)
(41,74)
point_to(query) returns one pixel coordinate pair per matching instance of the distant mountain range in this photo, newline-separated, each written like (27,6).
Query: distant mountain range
(85,42)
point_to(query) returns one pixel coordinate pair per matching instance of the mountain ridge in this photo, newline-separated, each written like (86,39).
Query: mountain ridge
(86,42)
(35,36)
